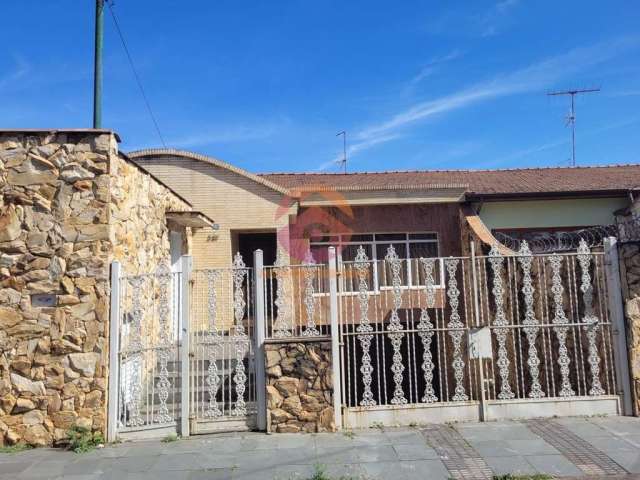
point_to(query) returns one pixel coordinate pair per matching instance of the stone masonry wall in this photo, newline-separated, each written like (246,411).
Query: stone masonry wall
(299,387)
(62,221)
(54,283)
(139,230)
(629,253)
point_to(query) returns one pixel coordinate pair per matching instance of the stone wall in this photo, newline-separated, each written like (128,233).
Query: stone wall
(629,253)
(60,225)
(140,234)
(299,387)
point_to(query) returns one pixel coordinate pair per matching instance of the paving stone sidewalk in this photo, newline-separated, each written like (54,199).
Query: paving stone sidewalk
(570,447)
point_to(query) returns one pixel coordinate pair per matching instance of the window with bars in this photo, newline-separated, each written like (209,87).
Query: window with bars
(408,246)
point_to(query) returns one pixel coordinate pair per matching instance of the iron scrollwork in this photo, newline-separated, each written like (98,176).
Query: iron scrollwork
(530,322)
(395,327)
(364,329)
(592,322)
(425,329)
(500,323)
(456,330)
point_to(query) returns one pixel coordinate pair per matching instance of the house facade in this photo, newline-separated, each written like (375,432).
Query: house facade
(384,228)
(121,276)
(430,213)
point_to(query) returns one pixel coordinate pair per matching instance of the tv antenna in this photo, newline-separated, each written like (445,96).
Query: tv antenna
(571,118)
(343,162)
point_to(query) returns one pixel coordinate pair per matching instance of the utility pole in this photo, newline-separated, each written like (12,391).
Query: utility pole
(571,118)
(344,149)
(97,65)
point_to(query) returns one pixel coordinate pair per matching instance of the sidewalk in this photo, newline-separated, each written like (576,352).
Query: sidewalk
(572,447)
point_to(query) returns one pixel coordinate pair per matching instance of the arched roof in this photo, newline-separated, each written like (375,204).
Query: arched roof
(163,152)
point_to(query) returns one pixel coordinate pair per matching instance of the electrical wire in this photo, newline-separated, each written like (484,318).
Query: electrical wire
(110,4)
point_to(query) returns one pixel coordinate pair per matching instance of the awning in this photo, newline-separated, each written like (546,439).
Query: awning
(190,219)
(481,231)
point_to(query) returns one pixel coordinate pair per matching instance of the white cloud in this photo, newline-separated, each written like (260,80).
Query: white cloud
(537,76)
(431,67)
(227,134)
(474,21)
(20,70)
(496,17)
(625,93)
(355,149)
(534,77)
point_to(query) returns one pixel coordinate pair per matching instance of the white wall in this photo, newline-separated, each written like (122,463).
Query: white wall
(551,213)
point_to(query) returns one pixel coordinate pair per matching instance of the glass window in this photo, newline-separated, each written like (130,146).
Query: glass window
(381,237)
(408,246)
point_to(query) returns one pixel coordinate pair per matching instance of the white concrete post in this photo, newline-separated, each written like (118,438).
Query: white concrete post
(335,338)
(185,348)
(260,326)
(114,350)
(616,310)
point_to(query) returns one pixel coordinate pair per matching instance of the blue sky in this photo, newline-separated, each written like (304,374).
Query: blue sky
(267,85)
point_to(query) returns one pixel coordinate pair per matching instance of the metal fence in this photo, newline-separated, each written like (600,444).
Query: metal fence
(455,330)
(474,331)
(147,356)
(222,368)
(296,299)
(465,329)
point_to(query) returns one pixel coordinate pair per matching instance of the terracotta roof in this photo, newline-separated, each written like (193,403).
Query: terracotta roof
(527,181)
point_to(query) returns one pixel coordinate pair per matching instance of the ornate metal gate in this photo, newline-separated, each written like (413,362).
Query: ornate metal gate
(222,393)
(182,351)
(467,338)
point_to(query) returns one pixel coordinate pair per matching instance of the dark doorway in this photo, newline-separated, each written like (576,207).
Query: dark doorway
(250,242)
(267,242)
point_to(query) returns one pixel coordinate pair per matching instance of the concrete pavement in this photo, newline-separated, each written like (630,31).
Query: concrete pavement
(571,447)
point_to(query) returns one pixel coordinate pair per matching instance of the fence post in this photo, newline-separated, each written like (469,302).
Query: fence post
(616,310)
(476,309)
(114,357)
(335,338)
(260,326)
(185,348)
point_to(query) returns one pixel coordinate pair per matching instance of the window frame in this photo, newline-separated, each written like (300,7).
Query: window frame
(336,240)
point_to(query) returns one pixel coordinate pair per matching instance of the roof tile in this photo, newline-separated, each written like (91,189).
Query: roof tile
(481,182)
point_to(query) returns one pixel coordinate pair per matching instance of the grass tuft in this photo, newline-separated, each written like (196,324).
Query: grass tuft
(320,473)
(378,425)
(18,447)
(82,440)
(172,437)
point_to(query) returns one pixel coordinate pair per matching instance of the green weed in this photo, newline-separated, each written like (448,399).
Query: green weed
(172,437)
(18,447)
(82,440)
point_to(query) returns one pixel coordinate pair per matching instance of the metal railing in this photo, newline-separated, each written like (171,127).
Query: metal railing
(296,300)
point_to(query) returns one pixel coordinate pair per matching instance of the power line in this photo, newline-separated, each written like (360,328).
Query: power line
(110,3)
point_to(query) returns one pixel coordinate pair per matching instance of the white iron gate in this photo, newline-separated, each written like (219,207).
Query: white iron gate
(222,391)
(479,337)
(144,352)
(182,351)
